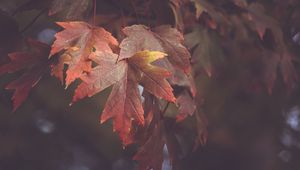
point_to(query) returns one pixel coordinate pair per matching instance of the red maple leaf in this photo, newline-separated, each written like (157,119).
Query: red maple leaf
(34,62)
(124,104)
(78,41)
(162,38)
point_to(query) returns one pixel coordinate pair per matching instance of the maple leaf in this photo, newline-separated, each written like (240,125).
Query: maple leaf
(78,40)
(157,138)
(35,63)
(121,103)
(180,79)
(71,9)
(187,106)
(201,6)
(163,38)
(279,57)
(124,104)
(105,74)
(172,41)
(150,155)
(206,47)
(138,38)
(274,61)
(153,78)
(216,15)
(261,21)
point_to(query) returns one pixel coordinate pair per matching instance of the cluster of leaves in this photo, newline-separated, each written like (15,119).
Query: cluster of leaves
(148,63)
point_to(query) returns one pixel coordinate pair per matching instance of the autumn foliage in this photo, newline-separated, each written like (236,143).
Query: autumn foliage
(151,53)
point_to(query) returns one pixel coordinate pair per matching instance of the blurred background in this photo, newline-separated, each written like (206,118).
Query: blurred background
(247,130)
